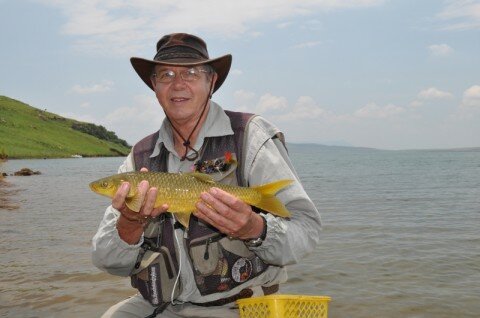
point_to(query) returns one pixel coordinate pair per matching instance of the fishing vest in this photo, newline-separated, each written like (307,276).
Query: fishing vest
(219,263)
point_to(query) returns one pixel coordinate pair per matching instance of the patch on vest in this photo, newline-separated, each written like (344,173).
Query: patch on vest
(241,270)
(220,164)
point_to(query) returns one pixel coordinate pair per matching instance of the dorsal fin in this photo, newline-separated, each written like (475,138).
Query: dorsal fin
(203,177)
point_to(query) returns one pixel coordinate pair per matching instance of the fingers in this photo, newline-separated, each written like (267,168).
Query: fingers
(149,201)
(145,194)
(118,201)
(148,209)
(224,211)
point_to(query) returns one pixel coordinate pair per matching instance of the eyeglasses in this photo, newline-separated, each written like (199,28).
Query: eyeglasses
(188,75)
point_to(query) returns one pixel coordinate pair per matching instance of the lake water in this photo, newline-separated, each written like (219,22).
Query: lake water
(401,235)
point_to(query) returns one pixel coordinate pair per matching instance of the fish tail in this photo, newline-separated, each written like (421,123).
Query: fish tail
(269,202)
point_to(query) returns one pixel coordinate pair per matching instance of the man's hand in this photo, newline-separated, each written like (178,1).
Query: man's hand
(130,224)
(229,214)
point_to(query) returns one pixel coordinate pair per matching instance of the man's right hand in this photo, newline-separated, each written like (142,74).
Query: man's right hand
(130,224)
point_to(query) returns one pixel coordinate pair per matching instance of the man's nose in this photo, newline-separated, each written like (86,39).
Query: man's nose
(178,81)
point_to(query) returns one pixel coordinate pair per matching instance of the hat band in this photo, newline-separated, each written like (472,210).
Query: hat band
(178,53)
(173,56)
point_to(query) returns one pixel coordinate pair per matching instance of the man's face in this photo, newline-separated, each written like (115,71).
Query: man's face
(182,91)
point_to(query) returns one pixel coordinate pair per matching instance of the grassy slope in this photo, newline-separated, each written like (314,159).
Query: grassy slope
(28,132)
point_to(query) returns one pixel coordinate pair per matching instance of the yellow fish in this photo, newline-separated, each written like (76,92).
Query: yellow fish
(181,191)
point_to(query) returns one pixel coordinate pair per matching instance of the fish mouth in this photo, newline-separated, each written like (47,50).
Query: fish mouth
(93,186)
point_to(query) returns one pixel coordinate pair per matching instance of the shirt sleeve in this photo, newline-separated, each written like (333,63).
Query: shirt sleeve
(109,252)
(287,240)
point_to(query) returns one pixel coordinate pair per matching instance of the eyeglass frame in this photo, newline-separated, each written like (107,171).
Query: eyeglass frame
(207,69)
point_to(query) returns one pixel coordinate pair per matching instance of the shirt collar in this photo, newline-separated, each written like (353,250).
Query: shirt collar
(216,124)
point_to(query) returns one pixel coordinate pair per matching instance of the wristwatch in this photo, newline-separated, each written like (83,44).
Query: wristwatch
(255,242)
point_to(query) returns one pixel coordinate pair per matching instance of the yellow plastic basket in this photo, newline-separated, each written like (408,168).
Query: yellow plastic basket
(284,306)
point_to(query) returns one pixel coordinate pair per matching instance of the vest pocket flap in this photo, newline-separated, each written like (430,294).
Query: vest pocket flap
(236,246)
(148,258)
(205,256)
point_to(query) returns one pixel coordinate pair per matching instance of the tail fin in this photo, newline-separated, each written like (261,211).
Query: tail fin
(269,202)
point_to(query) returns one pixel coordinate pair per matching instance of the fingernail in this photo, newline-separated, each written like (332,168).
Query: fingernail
(205,196)
(213,191)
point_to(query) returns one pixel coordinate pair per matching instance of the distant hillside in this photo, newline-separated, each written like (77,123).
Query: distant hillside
(29,132)
(316,147)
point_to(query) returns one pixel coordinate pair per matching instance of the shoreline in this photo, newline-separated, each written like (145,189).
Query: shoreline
(6,194)
(71,157)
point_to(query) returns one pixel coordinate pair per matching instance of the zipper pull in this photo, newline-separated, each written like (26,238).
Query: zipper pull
(139,258)
(206,255)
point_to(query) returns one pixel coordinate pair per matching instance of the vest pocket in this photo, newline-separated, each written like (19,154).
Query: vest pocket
(155,278)
(220,263)
(204,252)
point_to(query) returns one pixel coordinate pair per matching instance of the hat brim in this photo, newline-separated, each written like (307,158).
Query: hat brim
(221,65)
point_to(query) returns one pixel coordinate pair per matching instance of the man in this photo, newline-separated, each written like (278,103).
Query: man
(228,250)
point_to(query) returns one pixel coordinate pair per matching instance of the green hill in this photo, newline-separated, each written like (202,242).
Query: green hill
(29,132)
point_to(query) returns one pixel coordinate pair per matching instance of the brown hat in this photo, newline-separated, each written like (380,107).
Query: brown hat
(182,49)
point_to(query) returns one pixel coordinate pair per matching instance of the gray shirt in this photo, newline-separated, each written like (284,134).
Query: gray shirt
(266,160)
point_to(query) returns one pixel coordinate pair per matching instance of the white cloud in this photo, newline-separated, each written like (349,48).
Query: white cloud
(143,117)
(242,96)
(236,72)
(244,101)
(433,93)
(307,44)
(269,102)
(461,15)
(104,86)
(372,110)
(304,108)
(80,117)
(85,105)
(441,50)
(123,27)
(416,104)
(284,25)
(312,25)
(471,98)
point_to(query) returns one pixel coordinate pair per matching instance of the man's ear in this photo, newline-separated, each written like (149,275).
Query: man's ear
(214,80)
(153,81)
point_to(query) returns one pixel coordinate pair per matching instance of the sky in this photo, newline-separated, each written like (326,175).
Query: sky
(401,74)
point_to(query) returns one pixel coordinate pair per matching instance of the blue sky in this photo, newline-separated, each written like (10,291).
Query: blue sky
(375,73)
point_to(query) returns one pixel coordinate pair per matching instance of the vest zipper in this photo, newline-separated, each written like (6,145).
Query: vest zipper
(206,255)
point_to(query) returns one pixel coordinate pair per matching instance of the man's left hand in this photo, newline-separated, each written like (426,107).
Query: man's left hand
(229,214)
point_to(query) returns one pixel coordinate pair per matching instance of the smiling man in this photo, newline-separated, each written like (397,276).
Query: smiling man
(229,250)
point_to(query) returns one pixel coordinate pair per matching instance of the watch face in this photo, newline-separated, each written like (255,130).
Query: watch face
(254,243)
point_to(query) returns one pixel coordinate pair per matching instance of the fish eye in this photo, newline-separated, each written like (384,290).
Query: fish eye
(104,184)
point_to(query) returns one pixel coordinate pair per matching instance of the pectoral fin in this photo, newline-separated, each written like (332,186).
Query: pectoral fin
(132,192)
(133,202)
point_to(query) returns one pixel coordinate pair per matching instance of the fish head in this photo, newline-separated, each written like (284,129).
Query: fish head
(106,186)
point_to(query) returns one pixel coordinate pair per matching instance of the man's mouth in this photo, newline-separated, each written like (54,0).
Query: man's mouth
(178,99)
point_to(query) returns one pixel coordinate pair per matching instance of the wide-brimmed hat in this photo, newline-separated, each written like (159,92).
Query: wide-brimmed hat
(182,49)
